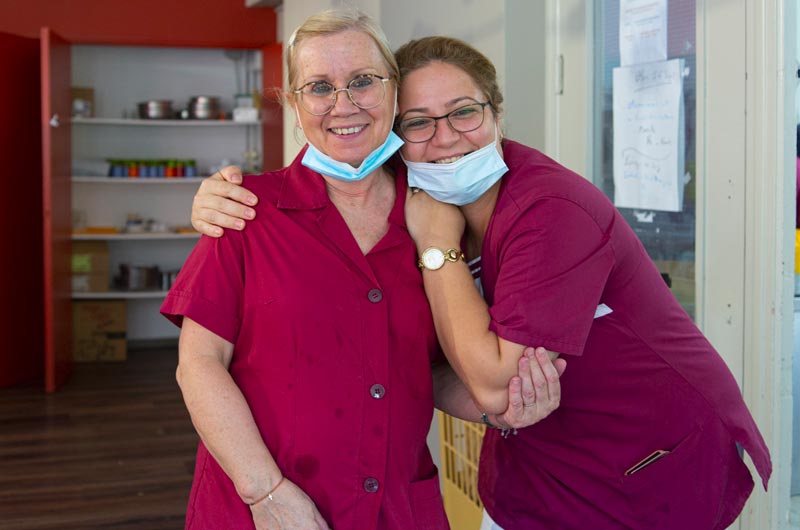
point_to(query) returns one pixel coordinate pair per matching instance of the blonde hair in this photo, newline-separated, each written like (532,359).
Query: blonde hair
(332,21)
(420,52)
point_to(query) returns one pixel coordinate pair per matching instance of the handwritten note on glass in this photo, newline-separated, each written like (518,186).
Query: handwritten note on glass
(648,136)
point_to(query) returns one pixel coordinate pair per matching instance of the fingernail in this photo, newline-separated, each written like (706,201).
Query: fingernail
(218,232)
(239,224)
(251,201)
(236,177)
(249,214)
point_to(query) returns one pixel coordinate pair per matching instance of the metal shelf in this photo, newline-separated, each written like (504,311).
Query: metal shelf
(145,236)
(138,180)
(115,295)
(162,123)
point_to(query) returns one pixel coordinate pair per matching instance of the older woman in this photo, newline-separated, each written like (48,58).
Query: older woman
(307,341)
(652,422)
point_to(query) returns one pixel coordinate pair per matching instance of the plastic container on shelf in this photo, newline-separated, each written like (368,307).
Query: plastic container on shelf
(191,168)
(116,168)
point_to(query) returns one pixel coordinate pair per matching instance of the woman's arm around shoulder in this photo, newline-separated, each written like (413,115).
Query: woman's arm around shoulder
(221,202)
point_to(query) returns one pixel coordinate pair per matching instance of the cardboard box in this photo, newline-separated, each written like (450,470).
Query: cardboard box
(99,330)
(89,283)
(90,266)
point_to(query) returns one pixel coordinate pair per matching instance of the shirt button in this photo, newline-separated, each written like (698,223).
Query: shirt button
(371,485)
(375,295)
(377,391)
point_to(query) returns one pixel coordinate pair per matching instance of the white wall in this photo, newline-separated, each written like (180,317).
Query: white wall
(479,22)
(524,66)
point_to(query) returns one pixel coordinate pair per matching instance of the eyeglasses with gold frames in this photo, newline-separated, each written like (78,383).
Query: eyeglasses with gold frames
(365,91)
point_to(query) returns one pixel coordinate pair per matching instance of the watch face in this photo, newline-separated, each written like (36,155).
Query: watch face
(433,259)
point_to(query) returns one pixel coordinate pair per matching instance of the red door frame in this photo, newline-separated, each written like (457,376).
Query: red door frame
(56,207)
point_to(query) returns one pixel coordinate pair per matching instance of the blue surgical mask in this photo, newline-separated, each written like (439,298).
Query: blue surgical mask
(325,165)
(460,182)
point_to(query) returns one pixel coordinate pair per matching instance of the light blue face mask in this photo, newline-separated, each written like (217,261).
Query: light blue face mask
(460,182)
(321,163)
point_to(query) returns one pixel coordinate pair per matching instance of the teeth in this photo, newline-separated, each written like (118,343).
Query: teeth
(348,130)
(447,160)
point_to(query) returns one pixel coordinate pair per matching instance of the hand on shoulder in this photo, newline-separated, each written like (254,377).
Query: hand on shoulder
(221,202)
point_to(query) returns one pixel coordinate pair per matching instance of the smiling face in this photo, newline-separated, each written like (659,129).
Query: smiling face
(347,133)
(435,90)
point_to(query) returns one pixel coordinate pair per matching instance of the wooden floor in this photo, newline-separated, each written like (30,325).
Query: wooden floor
(113,449)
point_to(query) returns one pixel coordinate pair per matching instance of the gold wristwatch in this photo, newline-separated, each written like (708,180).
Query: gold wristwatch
(433,258)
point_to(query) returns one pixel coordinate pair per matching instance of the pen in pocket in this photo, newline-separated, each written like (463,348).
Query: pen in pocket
(649,459)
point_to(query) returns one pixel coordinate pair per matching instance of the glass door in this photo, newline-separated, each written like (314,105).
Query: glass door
(666,230)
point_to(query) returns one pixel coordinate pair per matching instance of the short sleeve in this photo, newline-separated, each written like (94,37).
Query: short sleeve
(554,262)
(210,287)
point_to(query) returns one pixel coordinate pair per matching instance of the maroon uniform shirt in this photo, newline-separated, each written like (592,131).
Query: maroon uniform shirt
(332,353)
(640,378)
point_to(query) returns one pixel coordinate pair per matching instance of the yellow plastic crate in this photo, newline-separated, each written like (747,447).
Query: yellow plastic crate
(460,449)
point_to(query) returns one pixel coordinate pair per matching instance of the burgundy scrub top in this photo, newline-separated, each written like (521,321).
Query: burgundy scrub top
(332,351)
(639,378)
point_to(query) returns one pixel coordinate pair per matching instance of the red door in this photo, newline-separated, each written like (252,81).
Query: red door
(272,109)
(21,304)
(56,204)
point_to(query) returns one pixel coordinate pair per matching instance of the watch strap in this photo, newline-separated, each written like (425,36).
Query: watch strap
(453,255)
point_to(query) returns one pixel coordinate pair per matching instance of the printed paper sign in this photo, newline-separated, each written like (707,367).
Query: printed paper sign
(642,31)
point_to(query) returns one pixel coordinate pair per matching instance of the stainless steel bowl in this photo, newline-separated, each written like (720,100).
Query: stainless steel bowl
(156,109)
(204,107)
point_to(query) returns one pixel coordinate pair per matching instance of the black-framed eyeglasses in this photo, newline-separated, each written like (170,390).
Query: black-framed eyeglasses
(365,91)
(463,119)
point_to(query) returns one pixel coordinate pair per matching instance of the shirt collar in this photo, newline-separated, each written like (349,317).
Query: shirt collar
(398,214)
(302,188)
